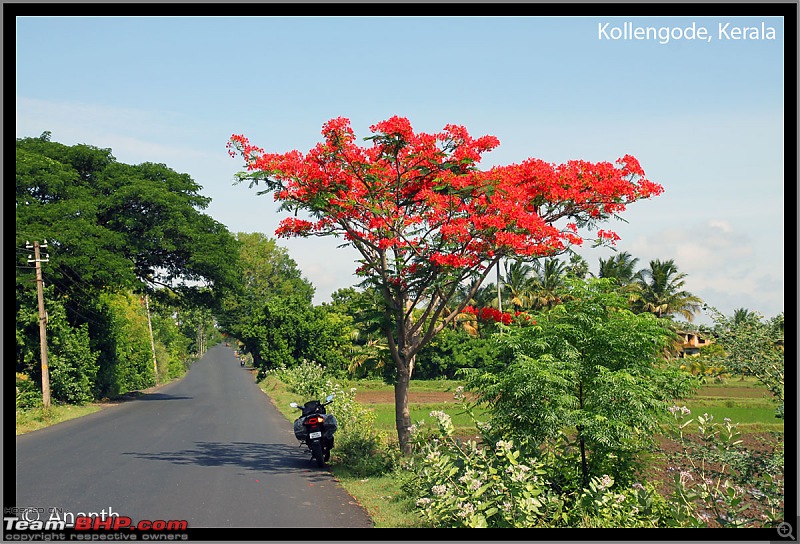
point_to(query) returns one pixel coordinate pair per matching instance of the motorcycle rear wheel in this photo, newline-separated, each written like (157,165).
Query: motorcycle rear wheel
(316,452)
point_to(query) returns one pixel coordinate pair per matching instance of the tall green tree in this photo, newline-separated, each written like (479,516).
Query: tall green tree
(590,366)
(577,266)
(549,276)
(266,270)
(114,225)
(517,285)
(621,267)
(754,346)
(114,229)
(288,330)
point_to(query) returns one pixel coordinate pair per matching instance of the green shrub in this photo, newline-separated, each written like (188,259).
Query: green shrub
(359,446)
(28,393)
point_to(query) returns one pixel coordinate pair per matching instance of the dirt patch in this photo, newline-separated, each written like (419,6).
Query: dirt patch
(734,392)
(387,397)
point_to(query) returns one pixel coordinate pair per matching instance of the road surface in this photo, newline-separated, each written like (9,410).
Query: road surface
(209,449)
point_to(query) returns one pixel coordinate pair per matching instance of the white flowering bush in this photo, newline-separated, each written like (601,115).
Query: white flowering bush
(601,505)
(460,484)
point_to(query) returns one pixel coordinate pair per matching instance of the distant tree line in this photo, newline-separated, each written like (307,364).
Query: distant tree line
(128,250)
(131,251)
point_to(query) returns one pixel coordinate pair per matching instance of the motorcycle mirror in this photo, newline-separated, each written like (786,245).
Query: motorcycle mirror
(293,405)
(329,398)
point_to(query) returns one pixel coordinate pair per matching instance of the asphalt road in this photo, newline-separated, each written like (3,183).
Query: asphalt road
(209,449)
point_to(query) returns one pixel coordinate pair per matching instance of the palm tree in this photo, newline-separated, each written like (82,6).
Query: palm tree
(517,284)
(621,267)
(578,266)
(549,277)
(661,291)
(743,315)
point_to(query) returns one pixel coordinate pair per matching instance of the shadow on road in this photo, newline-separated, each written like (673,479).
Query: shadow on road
(278,458)
(161,396)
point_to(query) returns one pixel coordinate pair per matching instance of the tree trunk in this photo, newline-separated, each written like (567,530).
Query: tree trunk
(402,413)
(584,465)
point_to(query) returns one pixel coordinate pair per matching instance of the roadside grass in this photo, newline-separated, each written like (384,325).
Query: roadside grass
(382,498)
(39,418)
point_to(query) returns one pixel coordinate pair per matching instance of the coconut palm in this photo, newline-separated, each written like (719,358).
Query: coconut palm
(548,279)
(517,284)
(621,267)
(743,315)
(578,267)
(661,291)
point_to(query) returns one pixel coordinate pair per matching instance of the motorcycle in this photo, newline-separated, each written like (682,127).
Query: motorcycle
(315,429)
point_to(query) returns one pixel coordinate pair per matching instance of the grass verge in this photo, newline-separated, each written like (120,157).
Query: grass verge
(39,418)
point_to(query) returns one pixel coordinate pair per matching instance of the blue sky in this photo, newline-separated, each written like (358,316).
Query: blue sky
(705,118)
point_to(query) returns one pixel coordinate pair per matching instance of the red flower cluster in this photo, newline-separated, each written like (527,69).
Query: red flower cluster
(490,314)
(417,207)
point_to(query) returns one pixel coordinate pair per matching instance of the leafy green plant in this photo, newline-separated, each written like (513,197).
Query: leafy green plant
(716,477)
(497,484)
(28,393)
(359,445)
(589,365)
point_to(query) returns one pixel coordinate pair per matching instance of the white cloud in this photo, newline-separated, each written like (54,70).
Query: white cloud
(724,266)
(133,135)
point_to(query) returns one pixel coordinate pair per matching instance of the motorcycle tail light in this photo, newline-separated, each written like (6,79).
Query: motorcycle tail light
(315,420)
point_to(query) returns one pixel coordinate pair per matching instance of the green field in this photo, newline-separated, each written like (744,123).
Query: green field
(745,402)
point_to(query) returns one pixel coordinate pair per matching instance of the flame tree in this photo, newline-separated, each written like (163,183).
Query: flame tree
(426,219)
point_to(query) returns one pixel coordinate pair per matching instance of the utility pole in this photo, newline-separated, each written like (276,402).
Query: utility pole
(499,300)
(152,340)
(42,318)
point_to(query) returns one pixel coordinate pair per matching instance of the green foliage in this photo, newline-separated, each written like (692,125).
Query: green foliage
(117,225)
(288,330)
(72,363)
(172,347)
(126,363)
(462,484)
(359,446)
(73,367)
(361,323)
(497,485)
(271,312)
(706,365)
(29,395)
(753,347)
(450,351)
(661,291)
(589,365)
(110,227)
